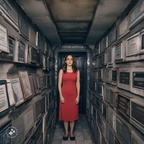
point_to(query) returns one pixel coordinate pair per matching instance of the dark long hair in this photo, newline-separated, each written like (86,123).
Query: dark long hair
(74,67)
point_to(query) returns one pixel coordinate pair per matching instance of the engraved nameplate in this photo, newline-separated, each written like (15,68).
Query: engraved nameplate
(114,75)
(137,114)
(123,132)
(33,55)
(137,14)
(9,12)
(133,45)
(3,39)
(124,105)
(112,36)
(124,78)
(138,79)
(32,36)
(103,44)
(123,28)
(24,28)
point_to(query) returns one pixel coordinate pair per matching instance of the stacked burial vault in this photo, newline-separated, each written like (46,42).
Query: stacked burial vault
(116,91)
(27,92)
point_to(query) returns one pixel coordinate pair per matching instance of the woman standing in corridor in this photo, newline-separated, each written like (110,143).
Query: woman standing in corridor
(69,91)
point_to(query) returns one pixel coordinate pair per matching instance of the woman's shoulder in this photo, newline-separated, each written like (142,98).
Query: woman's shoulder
(61,70)
(77,71)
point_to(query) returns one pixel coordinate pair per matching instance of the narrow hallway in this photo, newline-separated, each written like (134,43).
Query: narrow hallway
(82,133)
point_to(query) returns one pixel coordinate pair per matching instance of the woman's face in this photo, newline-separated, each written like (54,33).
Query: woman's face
(69,60)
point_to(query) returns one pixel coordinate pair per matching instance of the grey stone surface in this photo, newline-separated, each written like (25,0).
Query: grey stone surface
(82,133)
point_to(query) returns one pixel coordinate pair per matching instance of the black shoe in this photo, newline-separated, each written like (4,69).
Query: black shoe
(72,138)
(65,138)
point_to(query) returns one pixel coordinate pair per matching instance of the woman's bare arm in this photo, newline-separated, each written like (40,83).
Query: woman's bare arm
(59,85)
(78,87)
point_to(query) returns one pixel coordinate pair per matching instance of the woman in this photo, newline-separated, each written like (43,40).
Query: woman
(69,90)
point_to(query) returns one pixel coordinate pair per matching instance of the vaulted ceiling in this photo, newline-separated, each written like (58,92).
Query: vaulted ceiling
(73,21)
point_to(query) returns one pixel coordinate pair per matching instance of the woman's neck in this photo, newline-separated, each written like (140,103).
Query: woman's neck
(69,67)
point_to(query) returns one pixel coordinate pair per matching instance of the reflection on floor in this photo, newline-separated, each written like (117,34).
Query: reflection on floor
(82,133)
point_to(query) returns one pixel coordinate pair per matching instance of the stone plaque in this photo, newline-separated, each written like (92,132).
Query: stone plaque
(123,132)
(101,123)
(111,117)
(138,79)
(114,75)
(118,51)
(43,104)
(11,45)
(38,133)
(28,119)
(107,94)
(109,56)
(40,41)
(18,123)
(10,93)
(38,109)
(99,120)
(107,75)
(112,99)
(110,135)
(123,28)
(124,105)
(3,39)
(104,112)
(95,86)
(103,44)
(137,14)
(19,52)
(99,104)
(18,95)
(137,114)
(32,36)
(4,101)
(9,56)
(133,45)
(112,36)
(142,41)
(25,83)
(33,55)
(124,78)
(24,28)
(100,61)
(9,13)
(32,84)
(99,89)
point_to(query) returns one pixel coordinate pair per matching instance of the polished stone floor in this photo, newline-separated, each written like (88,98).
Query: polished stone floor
(82,133)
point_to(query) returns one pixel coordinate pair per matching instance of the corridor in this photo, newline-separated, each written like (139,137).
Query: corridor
(72,57)
(82,133)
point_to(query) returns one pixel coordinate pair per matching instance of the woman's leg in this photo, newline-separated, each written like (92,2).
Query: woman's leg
(72,128)
(66,128)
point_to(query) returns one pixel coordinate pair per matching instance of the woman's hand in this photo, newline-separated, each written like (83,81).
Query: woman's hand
(62,99)
(77,100)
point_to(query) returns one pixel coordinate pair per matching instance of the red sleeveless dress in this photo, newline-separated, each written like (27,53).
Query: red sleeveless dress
(68,111)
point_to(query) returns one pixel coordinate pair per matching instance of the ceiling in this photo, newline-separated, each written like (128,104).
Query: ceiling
(73,21)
